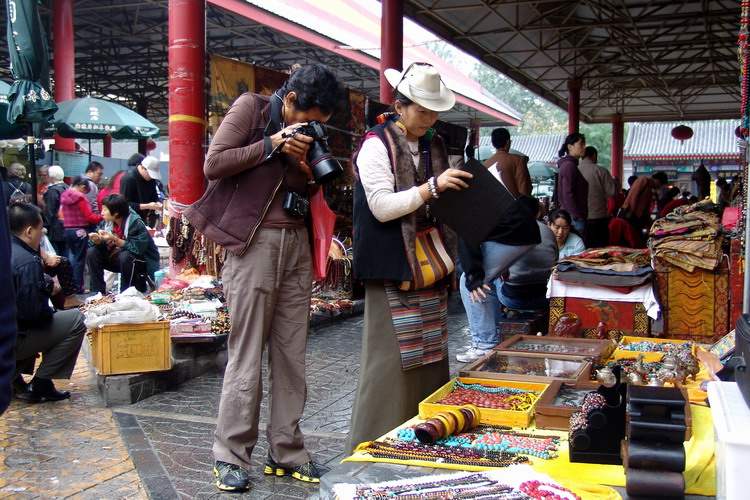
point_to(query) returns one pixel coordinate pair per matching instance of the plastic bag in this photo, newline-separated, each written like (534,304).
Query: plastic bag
(323,221)
(46,245)
(132,310)
(172,284)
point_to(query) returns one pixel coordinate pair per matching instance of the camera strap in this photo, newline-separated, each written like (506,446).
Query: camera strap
(274,124)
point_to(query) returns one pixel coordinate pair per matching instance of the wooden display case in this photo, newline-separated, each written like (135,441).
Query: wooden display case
(596,349)
(529,367)
(514,418)
(559,402)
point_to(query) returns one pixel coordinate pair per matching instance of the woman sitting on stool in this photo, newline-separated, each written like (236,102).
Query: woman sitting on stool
(123,246)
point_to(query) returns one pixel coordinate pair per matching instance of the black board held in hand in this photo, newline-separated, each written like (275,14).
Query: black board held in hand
(473,212)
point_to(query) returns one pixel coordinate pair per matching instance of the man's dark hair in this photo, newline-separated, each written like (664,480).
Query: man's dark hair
(22,215)
(316,85)
(117,205)
(94,166)
(500,136)
(632,179)
(135,159)
(531,203)
(661,177)
(80,180)
(721,181)
(590,152)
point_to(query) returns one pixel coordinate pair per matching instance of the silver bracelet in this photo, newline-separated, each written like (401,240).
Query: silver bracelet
(432,184)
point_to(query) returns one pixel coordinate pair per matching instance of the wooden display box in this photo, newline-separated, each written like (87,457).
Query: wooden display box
(596,349)
(429,407)
(621,318)
(694,305)
(529,367)
(136,348)
(559,402)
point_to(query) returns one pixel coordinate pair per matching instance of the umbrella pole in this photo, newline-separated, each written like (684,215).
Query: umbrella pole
(30,142)
(89,149)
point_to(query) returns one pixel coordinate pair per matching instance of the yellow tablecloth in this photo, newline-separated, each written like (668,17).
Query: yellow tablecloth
(700,477)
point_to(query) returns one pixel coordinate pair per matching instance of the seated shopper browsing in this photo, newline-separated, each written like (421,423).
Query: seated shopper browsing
(123,245)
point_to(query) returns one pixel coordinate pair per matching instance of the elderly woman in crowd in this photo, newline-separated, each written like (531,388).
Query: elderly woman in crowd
(51,215)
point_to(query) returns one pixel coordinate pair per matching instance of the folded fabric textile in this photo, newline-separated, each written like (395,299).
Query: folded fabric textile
(643,294)
(609,255)
(614,269)
(618,280)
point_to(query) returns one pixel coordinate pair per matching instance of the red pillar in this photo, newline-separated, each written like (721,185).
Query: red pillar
(65,76)
(574,105)
(107,146)
(617,146)
(187,113)
(392,43)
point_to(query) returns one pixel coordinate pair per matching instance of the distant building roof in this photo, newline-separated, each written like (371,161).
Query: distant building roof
(537,147)
(125,148)
(653,141)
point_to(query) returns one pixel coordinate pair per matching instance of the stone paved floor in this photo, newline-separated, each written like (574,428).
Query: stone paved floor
(160,448)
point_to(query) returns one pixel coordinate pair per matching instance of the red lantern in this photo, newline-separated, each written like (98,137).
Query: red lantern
(151,145)
(682,133)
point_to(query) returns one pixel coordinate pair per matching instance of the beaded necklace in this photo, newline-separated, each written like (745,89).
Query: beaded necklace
(546,491)
(503,398)
(473,486)
(494,440)
(400,450)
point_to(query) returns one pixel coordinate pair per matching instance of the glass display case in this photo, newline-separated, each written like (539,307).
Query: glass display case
(597,350)
(559,402)
(529,367)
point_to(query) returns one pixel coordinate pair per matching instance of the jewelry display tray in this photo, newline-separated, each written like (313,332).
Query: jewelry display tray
(529,367)
(598,350)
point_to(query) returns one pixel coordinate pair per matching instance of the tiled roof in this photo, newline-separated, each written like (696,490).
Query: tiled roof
(537,147)
(125,148)
(710,139)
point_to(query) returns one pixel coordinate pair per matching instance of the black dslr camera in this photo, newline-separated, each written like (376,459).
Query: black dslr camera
(325,167)
(296,205)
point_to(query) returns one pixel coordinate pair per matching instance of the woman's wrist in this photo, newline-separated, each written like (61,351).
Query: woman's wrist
(432,186)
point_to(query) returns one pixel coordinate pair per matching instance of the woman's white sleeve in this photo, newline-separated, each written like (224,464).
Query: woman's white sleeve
(378,181)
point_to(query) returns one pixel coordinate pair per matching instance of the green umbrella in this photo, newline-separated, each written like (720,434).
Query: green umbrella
(91,118)
(542,170)
(8,130)
(29,97)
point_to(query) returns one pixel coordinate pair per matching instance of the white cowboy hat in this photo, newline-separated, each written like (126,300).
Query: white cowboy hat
(421,83)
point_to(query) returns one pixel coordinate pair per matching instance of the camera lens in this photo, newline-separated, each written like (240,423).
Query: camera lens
(325,167)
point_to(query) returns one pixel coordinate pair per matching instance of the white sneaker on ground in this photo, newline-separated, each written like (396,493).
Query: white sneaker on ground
(471,355)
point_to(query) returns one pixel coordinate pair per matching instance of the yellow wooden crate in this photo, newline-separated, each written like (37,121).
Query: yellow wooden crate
(648,357)
(136,348)
(429,407)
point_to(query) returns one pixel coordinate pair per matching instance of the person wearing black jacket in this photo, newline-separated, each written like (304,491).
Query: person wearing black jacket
(58,335)
(516,234)
(139,186)
(7,315)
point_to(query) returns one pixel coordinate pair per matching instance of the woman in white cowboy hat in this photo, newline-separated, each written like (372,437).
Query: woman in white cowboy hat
(400,166)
